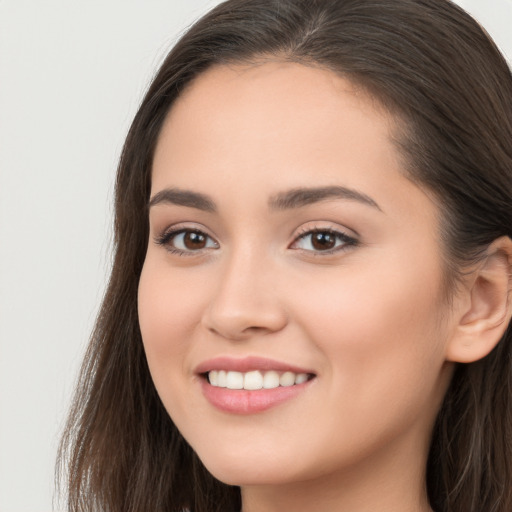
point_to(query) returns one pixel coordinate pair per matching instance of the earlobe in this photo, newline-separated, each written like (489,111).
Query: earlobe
(483,323)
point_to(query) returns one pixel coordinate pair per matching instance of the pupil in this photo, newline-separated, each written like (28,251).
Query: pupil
(194,240)
(323,241)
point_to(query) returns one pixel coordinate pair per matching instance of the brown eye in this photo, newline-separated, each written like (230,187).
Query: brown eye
(327,241)
(322,241)
(193,240)
(186,241)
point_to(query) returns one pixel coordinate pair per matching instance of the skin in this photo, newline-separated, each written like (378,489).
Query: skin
(370,319)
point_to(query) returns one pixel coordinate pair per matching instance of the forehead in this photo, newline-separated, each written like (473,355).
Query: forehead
(269,79)
(296,89)
(263,110)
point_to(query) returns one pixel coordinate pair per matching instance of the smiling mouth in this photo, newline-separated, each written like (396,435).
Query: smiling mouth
(255,380)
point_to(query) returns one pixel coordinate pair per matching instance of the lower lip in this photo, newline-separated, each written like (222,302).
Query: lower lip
(242,401)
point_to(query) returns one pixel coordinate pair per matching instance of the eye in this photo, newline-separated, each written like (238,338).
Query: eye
(186,241)
(323,240)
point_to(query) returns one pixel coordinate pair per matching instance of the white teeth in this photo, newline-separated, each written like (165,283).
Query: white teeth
(300,378)
(271,380)
(287,379)
(255,380)
(213,377)
(235,380)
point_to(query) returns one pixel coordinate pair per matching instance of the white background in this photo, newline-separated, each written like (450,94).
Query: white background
(72,73)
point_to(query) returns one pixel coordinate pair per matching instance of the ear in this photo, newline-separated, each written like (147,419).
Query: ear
(487,309)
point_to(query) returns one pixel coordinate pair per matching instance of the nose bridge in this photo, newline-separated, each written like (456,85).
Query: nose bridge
(245,301)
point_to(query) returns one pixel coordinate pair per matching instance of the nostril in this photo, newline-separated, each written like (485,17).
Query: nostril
(236,330)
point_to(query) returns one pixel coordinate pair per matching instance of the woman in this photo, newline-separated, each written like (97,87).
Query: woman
(309,307)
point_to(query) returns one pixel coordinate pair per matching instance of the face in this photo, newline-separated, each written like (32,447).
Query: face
(290,257)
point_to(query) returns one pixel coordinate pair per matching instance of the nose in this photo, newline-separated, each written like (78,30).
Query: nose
(245,301)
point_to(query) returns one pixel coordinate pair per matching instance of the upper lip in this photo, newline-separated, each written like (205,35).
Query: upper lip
(247,364)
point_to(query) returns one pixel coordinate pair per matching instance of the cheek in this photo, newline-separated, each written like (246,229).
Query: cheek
(169,306)
(379,327)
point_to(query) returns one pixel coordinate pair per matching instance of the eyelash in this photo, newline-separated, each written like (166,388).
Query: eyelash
(168,236)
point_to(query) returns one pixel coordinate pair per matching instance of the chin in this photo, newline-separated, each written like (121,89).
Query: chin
(248,476)
(249,470)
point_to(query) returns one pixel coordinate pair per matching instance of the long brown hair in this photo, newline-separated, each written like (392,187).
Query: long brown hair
(436,70)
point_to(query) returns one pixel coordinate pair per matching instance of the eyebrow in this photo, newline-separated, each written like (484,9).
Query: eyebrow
(299,197)
(295,198)
(182,197)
